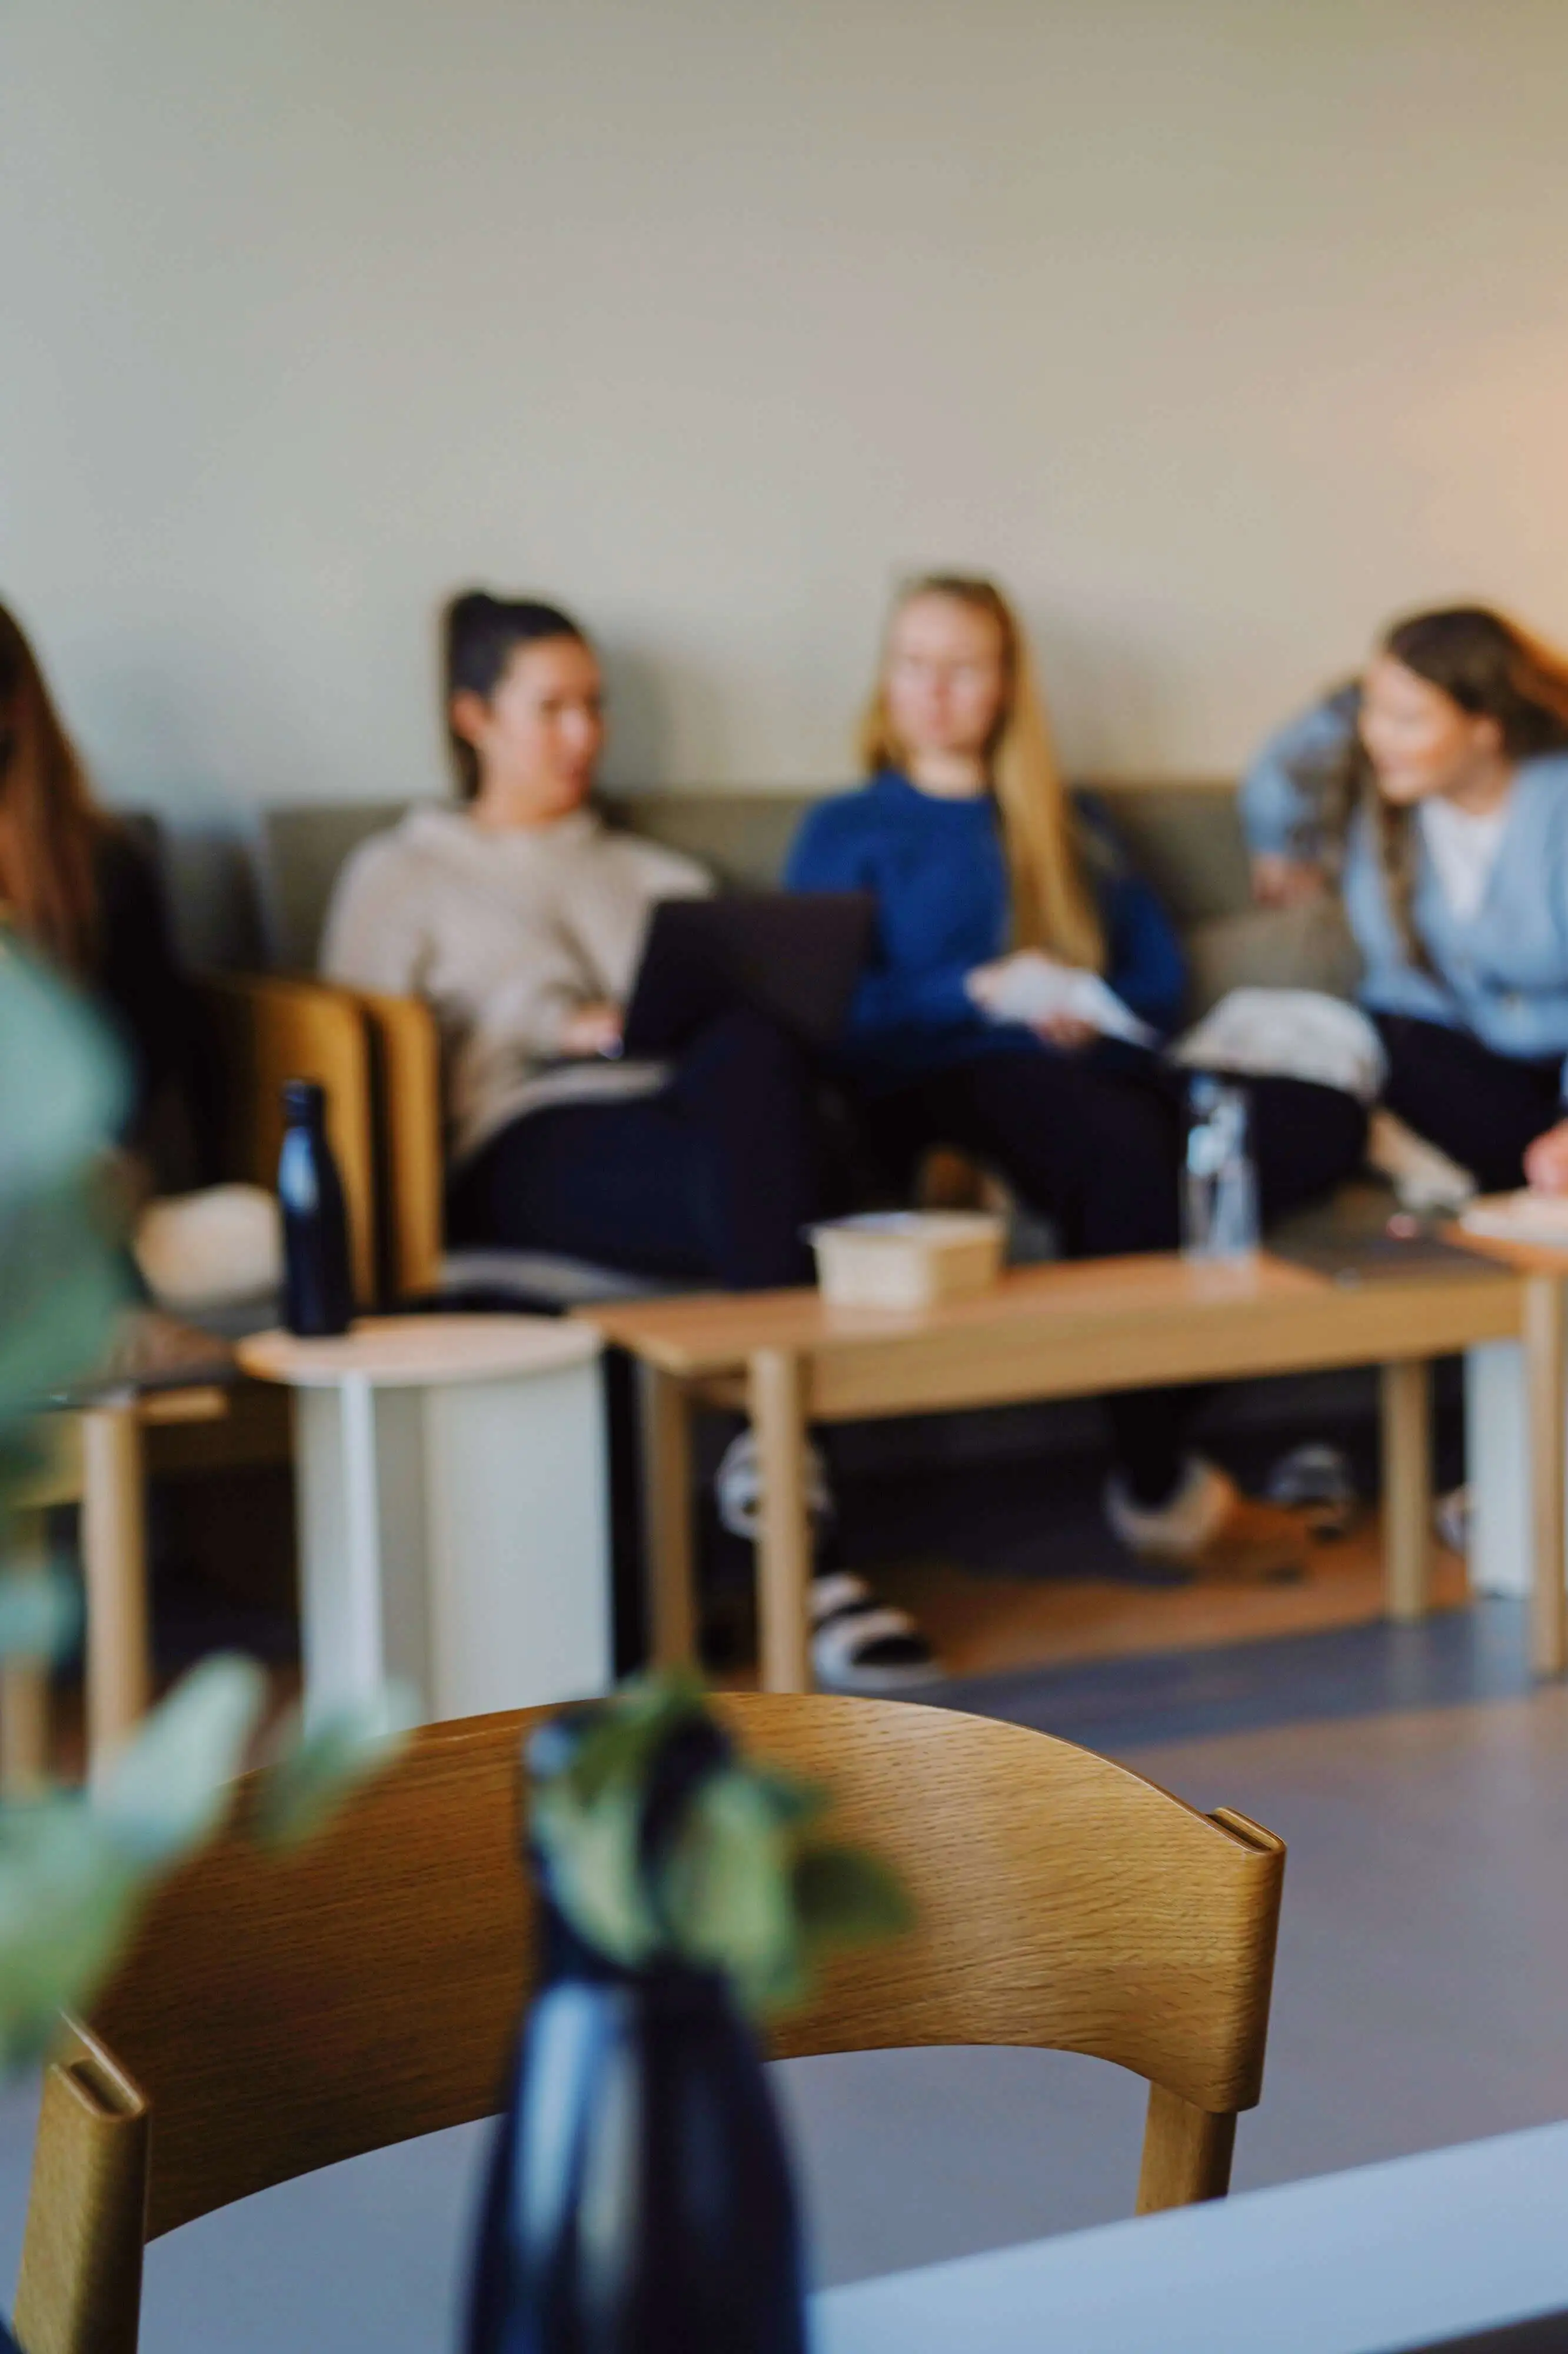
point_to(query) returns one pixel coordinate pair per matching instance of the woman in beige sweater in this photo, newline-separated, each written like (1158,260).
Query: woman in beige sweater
(519,917)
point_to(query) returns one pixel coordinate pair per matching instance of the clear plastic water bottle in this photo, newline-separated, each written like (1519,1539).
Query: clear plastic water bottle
(1219,1182)
(318,1287)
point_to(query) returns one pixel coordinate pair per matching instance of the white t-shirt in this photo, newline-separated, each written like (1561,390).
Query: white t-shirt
(1463,847)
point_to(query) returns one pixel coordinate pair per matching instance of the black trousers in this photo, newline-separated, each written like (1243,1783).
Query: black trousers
(716,1175)
(1481,1107)
(1097,1148)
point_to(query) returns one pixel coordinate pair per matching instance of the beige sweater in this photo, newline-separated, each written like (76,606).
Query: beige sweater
(504,936)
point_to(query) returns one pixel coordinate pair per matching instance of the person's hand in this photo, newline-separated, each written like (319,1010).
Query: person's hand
(1546,1161)
(989,984)
(982,982)
(1068,1032)
(592,1030)
(1281,882)
(991,987)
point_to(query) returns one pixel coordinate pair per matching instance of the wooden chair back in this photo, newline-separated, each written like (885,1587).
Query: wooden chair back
(406,1071)
(277,2015)
(267,1030)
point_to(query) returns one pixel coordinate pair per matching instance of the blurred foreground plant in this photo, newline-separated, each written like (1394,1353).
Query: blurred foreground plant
(661,1841)
(76,1867)
(639,2191)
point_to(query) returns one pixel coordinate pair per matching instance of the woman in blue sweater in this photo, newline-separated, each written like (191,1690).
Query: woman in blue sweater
(993,888)
(1436,789)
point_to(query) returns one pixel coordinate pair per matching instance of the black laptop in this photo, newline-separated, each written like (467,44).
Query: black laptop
(795,956)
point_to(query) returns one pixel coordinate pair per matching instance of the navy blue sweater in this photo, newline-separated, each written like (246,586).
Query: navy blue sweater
(939,876)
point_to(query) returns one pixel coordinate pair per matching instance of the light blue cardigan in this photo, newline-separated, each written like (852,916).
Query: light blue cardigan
(1503,975)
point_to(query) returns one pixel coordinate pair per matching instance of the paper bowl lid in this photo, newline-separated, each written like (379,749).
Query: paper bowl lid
(913,1226)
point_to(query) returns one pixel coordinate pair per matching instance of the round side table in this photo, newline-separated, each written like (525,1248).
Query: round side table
(453,1513)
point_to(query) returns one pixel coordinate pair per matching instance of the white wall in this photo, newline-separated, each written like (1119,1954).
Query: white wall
(1217,327)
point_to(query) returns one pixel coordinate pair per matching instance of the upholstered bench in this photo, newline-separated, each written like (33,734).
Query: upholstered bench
(1184,837)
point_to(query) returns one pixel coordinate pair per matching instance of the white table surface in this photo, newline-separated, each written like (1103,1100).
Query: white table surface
(1401,2255)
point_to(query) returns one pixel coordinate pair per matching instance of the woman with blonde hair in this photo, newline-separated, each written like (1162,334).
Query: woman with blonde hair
(1023,975)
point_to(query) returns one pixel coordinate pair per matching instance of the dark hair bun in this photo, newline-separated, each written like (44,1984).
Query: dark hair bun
(481,634)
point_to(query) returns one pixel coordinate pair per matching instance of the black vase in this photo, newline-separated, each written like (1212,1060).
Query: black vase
(640,2198)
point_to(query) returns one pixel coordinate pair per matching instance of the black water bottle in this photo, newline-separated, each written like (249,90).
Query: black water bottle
(318,1290)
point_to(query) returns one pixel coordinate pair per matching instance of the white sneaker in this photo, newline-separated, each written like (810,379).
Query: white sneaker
(1451,1518)
(862,1645)
(859,1644)
(738,1486)
(1180,1529)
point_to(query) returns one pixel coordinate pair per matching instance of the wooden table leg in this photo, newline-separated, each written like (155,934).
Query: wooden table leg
(1546,1397)
(667,1504)
(784,1535)
(1407,1488)
(24,1727)
(114,1561)
(24,1681)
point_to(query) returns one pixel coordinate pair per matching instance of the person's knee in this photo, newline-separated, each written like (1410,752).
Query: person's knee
(746,1048)
(1351,1123)
(1129,1129)
(1098,1154)
(1307,1138)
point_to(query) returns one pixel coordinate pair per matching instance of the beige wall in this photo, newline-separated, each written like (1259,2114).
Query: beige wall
(1217,327)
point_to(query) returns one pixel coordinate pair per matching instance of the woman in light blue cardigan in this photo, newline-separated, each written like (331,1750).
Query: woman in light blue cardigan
(1437,789)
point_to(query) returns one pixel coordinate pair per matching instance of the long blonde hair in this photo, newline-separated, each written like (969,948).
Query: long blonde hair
(1053,904)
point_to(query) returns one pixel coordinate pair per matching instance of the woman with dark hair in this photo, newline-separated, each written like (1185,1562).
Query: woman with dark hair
(1436,789)
(520,915)
(83,891)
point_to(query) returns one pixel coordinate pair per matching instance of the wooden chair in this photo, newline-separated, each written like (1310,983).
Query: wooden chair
(277,2015)
(406,1106)
(265,1030)
(96,1457)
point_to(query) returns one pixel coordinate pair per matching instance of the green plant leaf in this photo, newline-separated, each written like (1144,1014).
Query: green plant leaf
(74,1869)
(587,1814)
(314,1770)
(40,1612)
(736,1887)
(67,1899)
(61,1279)
(728,1888)
(844,1897)
(168,1790)
(618,1743)
(62,1095)
(591,1851)
(60,1069)
(795,1804)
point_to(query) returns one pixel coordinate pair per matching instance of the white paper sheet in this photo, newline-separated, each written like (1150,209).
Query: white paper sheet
(1032,988)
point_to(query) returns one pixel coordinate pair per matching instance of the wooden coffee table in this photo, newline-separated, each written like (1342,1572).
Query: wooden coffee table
(1063,1330)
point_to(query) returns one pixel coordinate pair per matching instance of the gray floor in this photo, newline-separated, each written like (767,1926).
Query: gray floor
(1424,1790)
